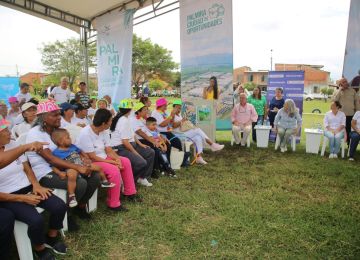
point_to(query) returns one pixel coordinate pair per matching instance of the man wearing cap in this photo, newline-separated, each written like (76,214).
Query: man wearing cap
(67,113)
(347,98)
(61,94)
(28,112)
(82,95)
(80,118)
(23,95)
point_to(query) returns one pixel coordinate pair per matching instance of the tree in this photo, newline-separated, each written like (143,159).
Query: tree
(66,58)
(250,86)
(150,60)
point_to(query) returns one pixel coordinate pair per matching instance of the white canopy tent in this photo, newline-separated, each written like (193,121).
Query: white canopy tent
(80,16)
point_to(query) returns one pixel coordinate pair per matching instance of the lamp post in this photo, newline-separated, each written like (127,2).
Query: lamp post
(271,59)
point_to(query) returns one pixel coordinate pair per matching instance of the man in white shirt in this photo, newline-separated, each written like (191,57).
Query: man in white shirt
(80,117)
(23,95)
(61,94)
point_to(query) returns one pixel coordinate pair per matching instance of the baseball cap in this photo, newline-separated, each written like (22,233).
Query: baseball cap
(27,105)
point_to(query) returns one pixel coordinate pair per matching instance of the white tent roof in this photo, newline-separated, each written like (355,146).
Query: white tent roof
(86,10)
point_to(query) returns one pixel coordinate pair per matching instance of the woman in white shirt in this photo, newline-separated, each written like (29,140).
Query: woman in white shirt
(94,140)
(29,114)
(124,140)
(354,135)
(20,193)
(67,113)
(80,118)
(334,123)
(196,135)
(92,108)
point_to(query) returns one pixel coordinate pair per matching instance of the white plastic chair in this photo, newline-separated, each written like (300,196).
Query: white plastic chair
(293,142)
(248,140)
(92,204)
(325,143)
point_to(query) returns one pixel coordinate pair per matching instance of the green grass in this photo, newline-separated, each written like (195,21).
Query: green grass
(309,106)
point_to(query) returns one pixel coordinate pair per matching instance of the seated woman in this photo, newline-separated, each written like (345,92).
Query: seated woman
(165,123)
(139,126)
(196,135)
(354,135)
(287,122)
(48,119)
(334,124)
(20,193)
(29,114)
(67,114)
(94,140)
(124,140)
(276,103)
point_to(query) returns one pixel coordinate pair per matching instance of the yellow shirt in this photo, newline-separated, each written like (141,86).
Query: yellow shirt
(210,95)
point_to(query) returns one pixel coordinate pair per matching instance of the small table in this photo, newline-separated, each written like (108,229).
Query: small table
(262,135)
(313,140)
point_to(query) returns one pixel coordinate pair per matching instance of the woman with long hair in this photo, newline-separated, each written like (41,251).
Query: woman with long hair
(212,91)
(259,102)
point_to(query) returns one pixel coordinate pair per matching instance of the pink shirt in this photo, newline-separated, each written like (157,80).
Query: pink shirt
(244,114)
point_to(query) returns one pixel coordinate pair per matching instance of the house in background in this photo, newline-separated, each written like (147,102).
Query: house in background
(33,78)
(246,75)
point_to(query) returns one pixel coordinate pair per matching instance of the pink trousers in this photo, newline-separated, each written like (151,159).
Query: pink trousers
(114,175)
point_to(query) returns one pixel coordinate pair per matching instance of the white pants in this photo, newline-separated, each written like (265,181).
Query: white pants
(237,130)
(198,137)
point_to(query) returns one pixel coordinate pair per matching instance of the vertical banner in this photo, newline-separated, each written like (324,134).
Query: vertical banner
(114,54)
(206,35)
(351,70)
(9,86)
(292,83)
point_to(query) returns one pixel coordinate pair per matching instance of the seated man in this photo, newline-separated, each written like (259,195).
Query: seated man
(242,116)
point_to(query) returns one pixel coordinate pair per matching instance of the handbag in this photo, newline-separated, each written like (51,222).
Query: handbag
(186,126)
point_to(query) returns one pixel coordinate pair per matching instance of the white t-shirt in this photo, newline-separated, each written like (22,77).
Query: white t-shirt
(177,118)
(64,123)
(20,129)
(89,142)
(75,120)
(20,96)
(61,95)
(91,111)
(39,165)
(159,119)
(357,118)
(137,124)
(13,177)
(123,130)
(334,121)
(19,119)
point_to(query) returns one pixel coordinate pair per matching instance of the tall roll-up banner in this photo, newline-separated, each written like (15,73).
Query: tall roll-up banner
(206,34)
(114,54)
(351,69)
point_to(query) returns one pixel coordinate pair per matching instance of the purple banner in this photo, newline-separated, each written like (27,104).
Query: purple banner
(292,83)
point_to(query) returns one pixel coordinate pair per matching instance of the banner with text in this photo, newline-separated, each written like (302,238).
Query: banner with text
(206,35)
(292,83)
(114,54)
(351,69)
(9,86)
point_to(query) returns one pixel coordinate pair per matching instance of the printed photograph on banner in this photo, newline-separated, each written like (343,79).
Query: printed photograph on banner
(9,86)
(204,113)
(188,111)
(352,53)
(207,54)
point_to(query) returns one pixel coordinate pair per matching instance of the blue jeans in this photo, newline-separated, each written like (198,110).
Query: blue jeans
(334,141)
(355,138)
(7,220)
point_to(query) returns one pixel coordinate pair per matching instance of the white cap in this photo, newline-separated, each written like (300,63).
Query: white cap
(27,105)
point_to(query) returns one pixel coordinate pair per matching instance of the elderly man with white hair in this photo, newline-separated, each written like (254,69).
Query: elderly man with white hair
(62,93)
(287,122)
(242,117)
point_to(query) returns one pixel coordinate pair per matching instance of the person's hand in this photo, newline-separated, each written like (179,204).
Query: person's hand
(44,193)
(87,162)
(236,123)
(163,148)
(275,130)
(173,112)
(144,146)
(119,164)
(81,124)
(62,175)
(31,199)
(275,109)
(295,131)
(83,170)
(35,146)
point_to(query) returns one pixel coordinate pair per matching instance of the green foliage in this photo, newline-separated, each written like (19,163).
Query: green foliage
(66,58)
(250,86)
(52,80)
(330,91)
(156,84)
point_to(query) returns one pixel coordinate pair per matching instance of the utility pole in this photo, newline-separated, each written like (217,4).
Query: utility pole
(271,60)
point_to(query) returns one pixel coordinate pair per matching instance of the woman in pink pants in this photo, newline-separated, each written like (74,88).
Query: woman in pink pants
(94,140)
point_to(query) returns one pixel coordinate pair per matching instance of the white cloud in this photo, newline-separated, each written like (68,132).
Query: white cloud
(305,31)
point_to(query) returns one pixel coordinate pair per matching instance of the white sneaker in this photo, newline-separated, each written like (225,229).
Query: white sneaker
(335,156)
(282,149)
(216,147)
(351,159)
(200,160)
(285,148)
(144,182)
(331,156)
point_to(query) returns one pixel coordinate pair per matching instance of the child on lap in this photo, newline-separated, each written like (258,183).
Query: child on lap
(67,151)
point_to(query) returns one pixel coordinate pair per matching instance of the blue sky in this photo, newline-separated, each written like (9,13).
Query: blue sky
(306,31)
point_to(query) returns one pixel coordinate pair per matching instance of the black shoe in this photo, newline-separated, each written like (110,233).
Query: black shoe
(107,184)
(155,174)
(121,208)
(45,254)
(133,198)
(171,173)
(56,245)
(72,225)
(82,213)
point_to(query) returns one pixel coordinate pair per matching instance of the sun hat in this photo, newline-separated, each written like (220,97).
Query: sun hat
(177,102)
(138,106)
(102,100)
(4,123)
(26,106)
(46,107)
(161,102)
(126,103)
(12,100)
(66,106)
